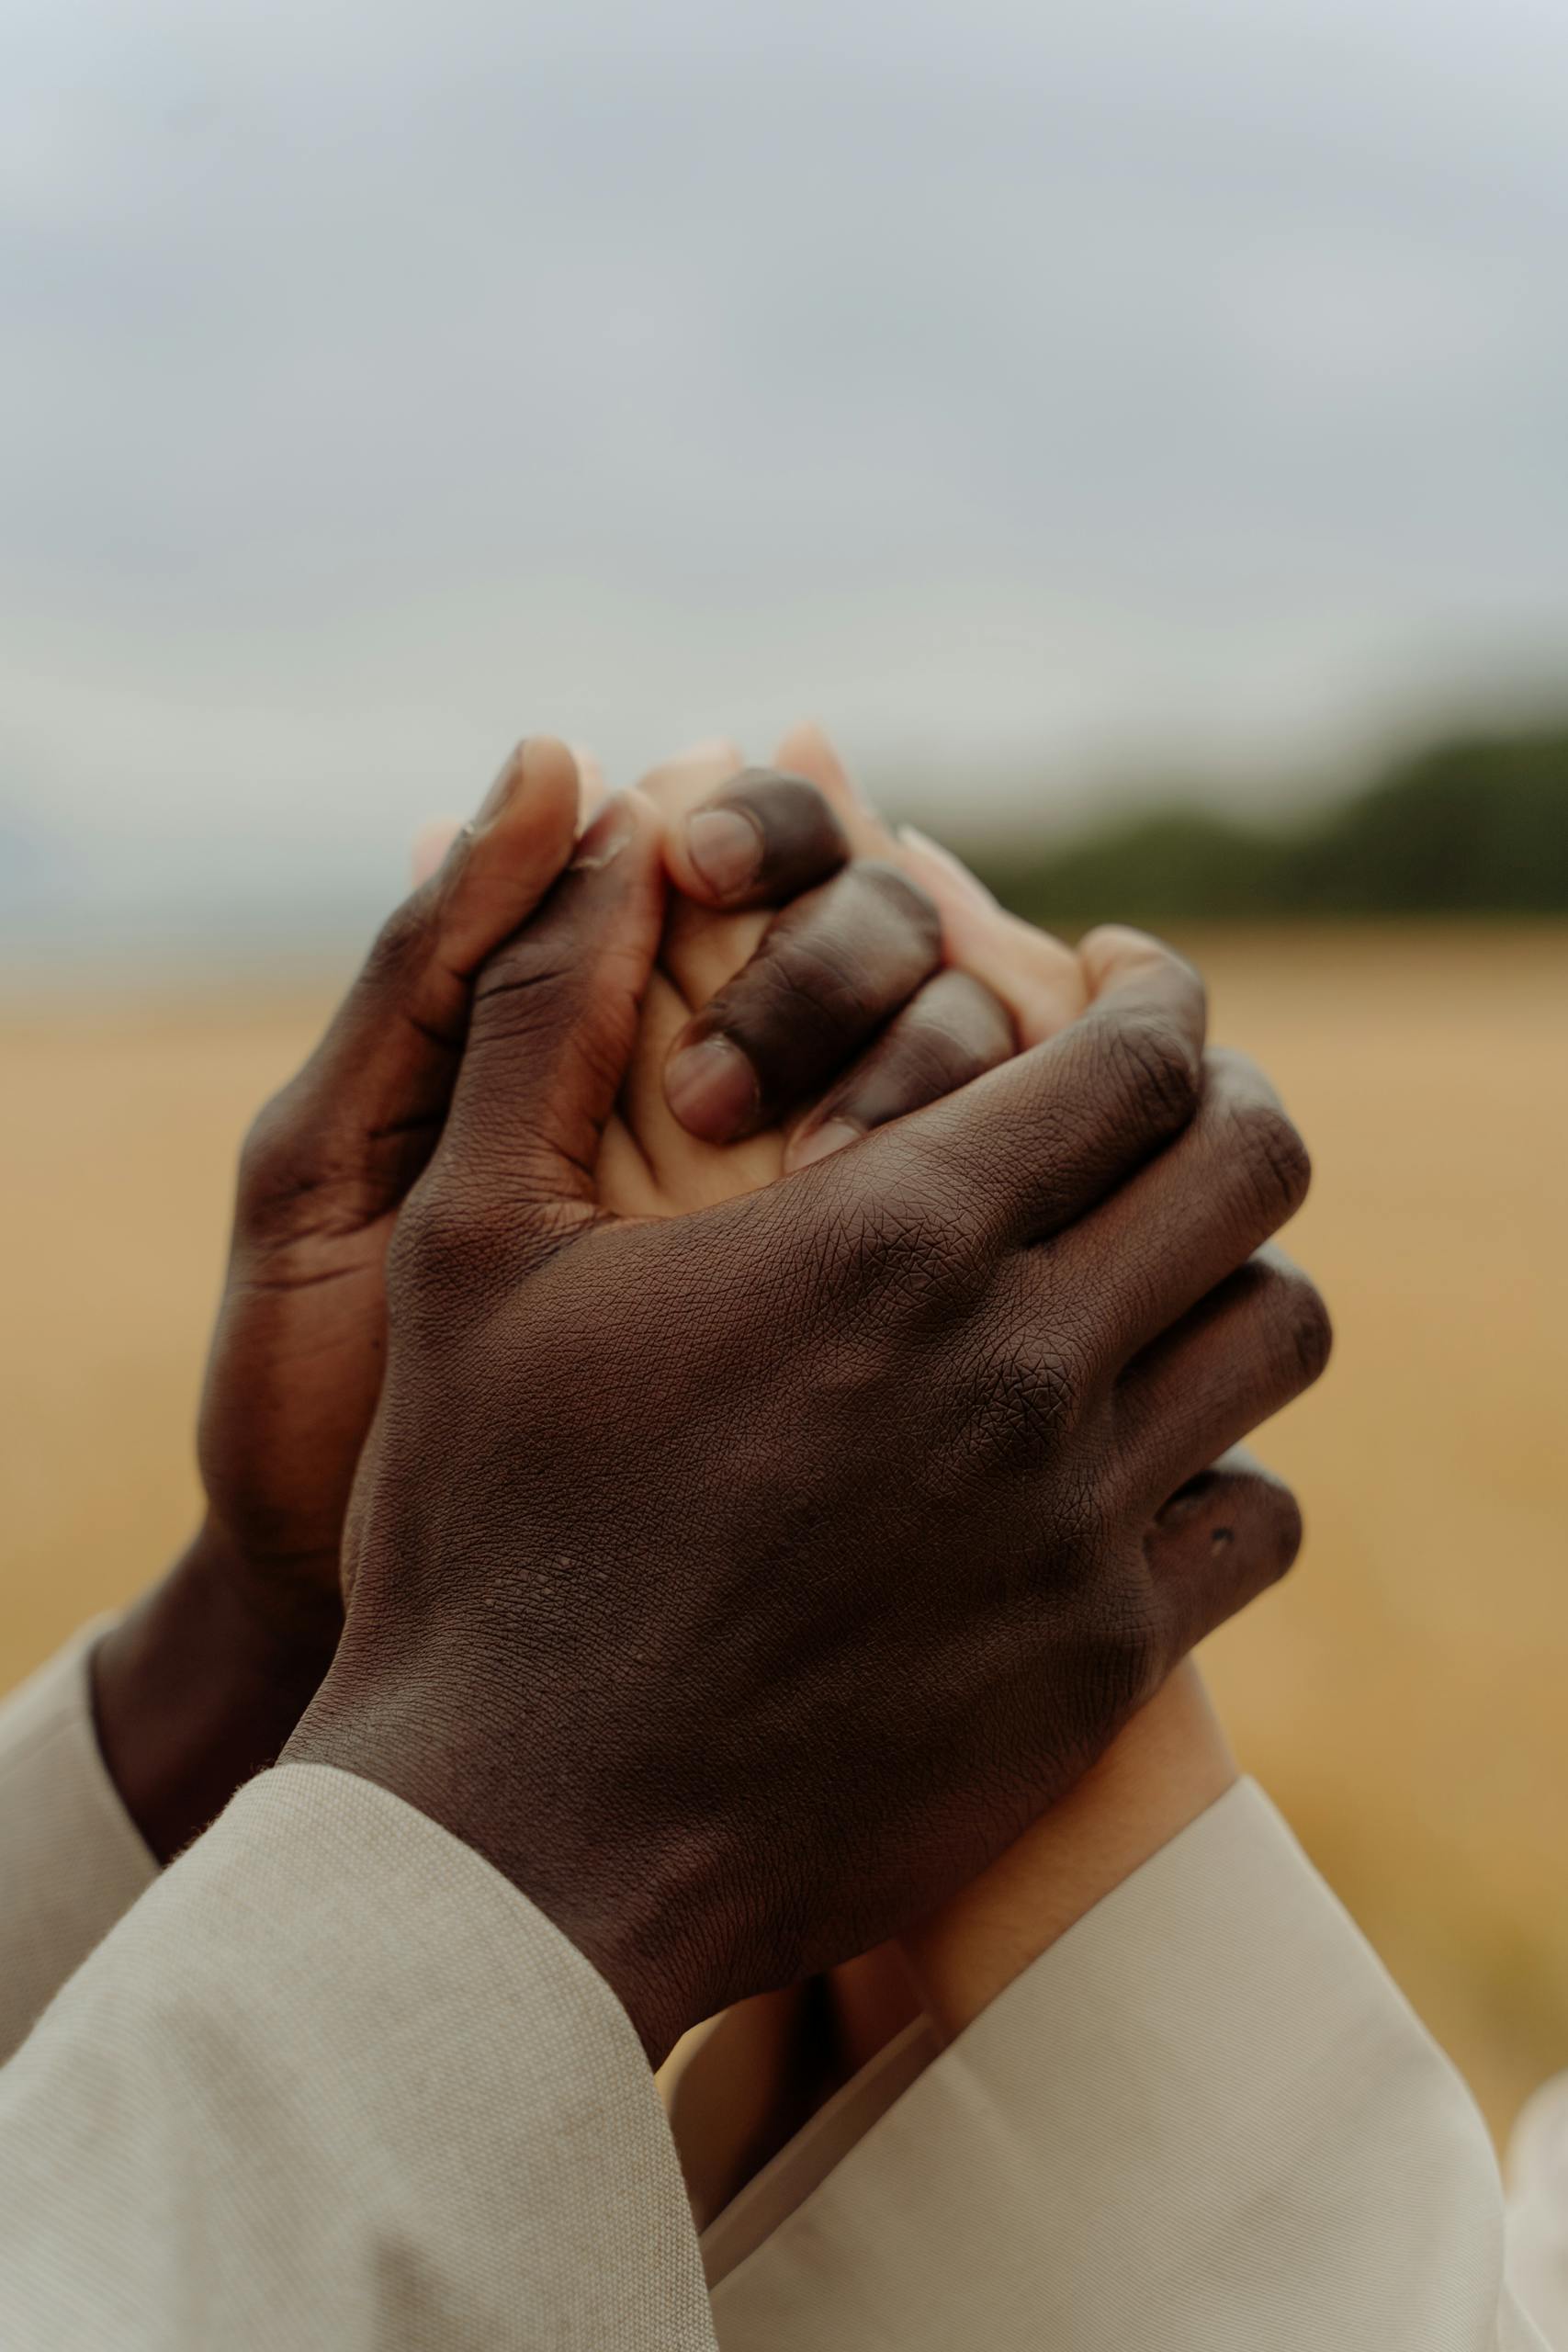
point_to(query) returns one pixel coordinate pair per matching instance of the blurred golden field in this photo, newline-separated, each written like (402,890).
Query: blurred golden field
(1404,1697)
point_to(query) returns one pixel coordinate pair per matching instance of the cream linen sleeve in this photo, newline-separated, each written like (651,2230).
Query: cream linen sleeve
(1204,2121)
(332,2081)
(71,1859)
(1538,2211)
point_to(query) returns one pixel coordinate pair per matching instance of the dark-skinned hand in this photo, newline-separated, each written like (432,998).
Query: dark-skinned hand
(201,1683)
(739,1583)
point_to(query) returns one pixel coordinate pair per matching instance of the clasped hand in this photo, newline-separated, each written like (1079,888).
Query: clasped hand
(755,1534)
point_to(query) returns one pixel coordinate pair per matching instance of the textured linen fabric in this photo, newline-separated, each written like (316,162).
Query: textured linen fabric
(332,2081)
(1537,2210)
(71,1859)
(1205,2120)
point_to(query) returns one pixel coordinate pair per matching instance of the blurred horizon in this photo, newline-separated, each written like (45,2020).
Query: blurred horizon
(1469,824)
(1072,407)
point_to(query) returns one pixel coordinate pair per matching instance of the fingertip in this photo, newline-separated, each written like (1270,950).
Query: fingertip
(1115,960)
(430,847)
(677,784)
(1038,978)
(711,1087)
(934,859)
(514,850)
(760,839)
(970,916)
(1115,950)
(626,818)
(807,749)
(1238,1512)
(711,751)
(593,783)
(547,769)
(538,783)
(809,1143)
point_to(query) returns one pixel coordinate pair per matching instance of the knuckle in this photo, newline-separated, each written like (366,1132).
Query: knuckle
(402,942)
(931,1058)
(806,974)
(959,1020)
(1025,1402)
(897,1245)
(839,961)
(1308,1325)
(437,1248)
(1159,1068)
(1275,1161)
(1114,952)
(1283,1534)
(901,1232)
(273,1159)
(1248,1524)
(901,899)
(527,989)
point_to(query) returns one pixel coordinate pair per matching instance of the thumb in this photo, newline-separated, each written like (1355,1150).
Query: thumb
(352,1130)
(554,1022)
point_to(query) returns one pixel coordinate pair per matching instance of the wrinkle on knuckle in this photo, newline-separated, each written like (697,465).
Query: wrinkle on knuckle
(902,899)
(1282,1545)
(934,1059)
(971,1011)
(526,966)
(833,974)
(437,1247)
(810,974)
(898,1231)
(266,1151)
(1276,1165)
(285,1166)
(1310,1327)
(1158,1068)
(896,1247)
(402,942)
(1024,1402)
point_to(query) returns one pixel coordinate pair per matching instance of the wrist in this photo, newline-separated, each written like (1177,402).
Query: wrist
(200,1684)
(1169,1763)
(439,1743)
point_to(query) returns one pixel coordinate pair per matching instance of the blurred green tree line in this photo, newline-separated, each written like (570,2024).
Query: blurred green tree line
(1473,825)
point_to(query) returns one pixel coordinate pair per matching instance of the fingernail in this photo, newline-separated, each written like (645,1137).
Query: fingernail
(606,837)
(817,1142)
(970,883)
(591,784)
(712,747)
(501,790)
(712,1089)
(726,848)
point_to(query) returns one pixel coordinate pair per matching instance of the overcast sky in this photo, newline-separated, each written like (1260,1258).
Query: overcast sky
(1035,393)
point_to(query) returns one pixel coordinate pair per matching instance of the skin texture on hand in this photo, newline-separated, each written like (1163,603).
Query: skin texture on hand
(208,1675)
(650,1562)
(201,1683)
(1171,1760)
